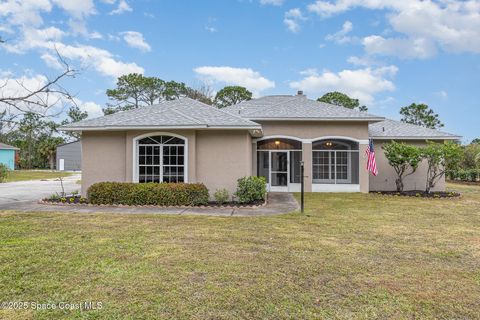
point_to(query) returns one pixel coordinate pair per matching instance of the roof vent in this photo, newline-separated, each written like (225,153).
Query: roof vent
(299,93)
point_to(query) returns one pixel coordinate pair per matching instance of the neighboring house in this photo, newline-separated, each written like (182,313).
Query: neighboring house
(187,141)
(7,155)
(69,156)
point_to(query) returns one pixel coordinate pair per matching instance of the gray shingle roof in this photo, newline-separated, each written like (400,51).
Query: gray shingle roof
(181,113)
(7,147)
(295,108)
(391,129)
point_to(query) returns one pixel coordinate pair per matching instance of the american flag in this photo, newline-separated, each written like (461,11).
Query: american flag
(371,162)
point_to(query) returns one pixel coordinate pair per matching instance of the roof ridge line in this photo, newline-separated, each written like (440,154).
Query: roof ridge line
(232,115)
(281,103)
(197,121)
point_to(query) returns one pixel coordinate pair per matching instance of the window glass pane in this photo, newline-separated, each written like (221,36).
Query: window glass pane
(173,140)
(263,165)
(157,149)
(295,158)
(279,144)
(335,144)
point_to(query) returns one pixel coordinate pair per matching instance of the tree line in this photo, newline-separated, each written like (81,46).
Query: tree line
(30,126)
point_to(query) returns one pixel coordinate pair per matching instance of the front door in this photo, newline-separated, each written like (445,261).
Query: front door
(279,171)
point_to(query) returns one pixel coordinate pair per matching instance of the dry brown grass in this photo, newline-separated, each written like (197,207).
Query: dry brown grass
(349,256)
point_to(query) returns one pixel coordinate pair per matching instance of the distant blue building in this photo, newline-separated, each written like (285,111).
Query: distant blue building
(7,155)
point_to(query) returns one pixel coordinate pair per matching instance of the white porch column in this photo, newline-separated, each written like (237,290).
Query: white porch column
(307,165)
(364,177)
(254,158)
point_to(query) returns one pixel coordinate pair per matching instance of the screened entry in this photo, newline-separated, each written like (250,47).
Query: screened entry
(335,162)
(278,160)
(161,159)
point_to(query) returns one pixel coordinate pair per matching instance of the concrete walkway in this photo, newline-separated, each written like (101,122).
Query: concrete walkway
(277,203)
(14,194)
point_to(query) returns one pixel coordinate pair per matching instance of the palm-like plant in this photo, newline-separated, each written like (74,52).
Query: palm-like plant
(48,148)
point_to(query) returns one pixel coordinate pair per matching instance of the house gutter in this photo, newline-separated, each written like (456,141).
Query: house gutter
(119,128)
(416,138)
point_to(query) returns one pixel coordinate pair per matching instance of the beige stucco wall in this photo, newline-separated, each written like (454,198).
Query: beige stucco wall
(319,129)
(216,158)
(222,158)
(315,129)
(385,181)
(103,158)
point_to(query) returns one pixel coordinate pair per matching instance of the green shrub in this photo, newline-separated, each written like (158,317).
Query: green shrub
(159,194)
(251,189)
(3,172)
(221,196)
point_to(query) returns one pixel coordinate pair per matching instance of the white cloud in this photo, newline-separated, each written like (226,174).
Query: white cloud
(101,60)
(78,9)
(442,94)
(361,84)
(123,7)
(211,29)
(79,27)
(20,86)
(342,36)
(451,25)
(245,77)
(135,39)
(25,84)
(404,48)
(272,2)
(292,19)
(46,42)
(27,12)
(361,61)
(93,109)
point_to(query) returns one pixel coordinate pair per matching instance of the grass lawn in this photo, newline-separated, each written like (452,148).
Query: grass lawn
(350,256)
(24,175)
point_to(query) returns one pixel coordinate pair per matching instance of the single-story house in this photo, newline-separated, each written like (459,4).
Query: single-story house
(69,156)
(7,155)
(187,141)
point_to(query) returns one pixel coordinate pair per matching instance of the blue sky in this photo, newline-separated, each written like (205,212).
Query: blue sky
(386,53)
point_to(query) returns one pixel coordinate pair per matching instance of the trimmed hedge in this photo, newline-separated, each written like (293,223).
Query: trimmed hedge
(251,189)
(138,194)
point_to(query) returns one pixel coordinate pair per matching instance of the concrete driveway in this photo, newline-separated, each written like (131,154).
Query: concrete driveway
(14,194)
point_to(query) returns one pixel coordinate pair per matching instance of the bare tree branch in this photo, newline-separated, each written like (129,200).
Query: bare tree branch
(40,100)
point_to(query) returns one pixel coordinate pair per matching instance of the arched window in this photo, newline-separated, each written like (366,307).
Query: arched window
(335,162)
(161,159)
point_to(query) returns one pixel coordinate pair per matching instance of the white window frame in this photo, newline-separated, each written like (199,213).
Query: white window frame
(334,163)
(135,151)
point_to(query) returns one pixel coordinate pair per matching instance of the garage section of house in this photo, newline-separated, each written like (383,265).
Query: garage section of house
(187,141)
(69,156)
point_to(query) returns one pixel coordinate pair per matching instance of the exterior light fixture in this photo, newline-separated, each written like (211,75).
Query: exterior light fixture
(329,144)
(277,143)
